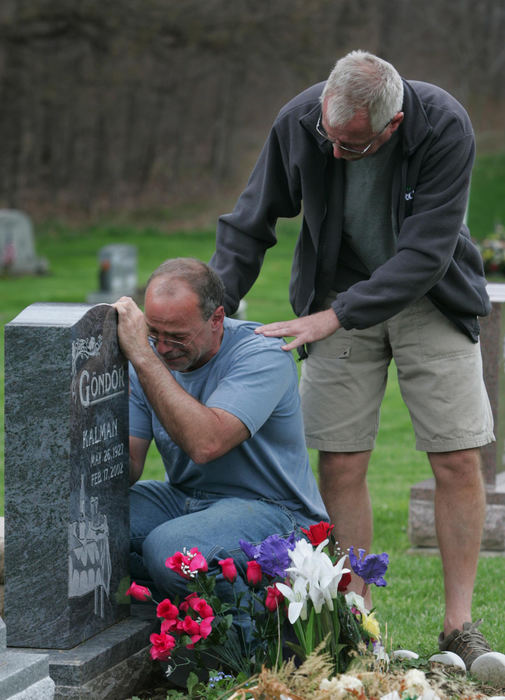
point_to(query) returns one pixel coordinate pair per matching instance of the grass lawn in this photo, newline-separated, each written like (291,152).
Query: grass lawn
(411,604)
(487,203)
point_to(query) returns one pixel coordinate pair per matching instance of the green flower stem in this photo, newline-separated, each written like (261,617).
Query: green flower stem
(300,634)
(202,581)
(319,631)
(336,633)
(238,600)
(327,631)
(309,633)
(278,645)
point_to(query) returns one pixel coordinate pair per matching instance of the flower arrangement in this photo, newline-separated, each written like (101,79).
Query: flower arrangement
(311,682)
(292,598)
(492,250)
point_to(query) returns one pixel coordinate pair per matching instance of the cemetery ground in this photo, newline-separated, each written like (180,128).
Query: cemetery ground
(410,608)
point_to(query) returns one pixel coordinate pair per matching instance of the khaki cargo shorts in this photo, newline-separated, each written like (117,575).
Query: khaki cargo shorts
(439,373)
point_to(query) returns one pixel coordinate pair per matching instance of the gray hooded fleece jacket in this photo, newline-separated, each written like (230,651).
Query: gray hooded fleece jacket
(435,255)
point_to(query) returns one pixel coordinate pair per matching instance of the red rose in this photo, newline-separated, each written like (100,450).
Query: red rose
(184,606)
(200,606)
(197,561)
(319,532)
(179,626)
(273,598)
(197,631)
(162,645)
(170,625)
(254,572)
(190,626)
(205,630)
(344,582)
(179,563)
(167,610)
(206,626)
(138,592)
(229,569)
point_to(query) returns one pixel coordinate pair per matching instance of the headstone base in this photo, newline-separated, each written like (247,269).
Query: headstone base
(42,690)
(25,676)
(421,527)
(112,665)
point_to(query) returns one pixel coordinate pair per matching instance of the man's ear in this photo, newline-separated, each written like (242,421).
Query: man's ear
(217,317)
(397,120)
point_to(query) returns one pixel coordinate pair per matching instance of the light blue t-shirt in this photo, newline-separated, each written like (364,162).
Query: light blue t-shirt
(256,381)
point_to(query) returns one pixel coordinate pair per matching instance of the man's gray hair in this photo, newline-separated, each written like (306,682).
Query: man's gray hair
(199,277)
(360,81)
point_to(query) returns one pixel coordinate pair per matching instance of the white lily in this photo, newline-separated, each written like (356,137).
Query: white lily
(302,557)
(324,584)
(330,576)
(354,600)
(318,571)
(297,596)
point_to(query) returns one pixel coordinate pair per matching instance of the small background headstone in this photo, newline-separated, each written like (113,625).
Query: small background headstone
(117,273)
(17,246)
(493,357)
(421,510)
(2,579)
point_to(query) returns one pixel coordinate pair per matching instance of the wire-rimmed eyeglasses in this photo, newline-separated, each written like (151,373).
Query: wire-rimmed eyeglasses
(177,339)
(359,151)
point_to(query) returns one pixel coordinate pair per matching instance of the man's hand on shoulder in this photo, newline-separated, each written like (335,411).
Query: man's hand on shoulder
(306,329)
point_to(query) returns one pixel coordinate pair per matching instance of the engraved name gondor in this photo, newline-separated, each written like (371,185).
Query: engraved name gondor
(90,386)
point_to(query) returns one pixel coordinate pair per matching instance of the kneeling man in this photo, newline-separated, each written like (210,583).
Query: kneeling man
(222,406)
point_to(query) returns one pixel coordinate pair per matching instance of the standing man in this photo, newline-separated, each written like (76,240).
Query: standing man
(384,268)
(222,406)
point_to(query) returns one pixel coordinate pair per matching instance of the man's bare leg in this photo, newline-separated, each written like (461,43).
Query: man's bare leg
(460,505)
(344,489)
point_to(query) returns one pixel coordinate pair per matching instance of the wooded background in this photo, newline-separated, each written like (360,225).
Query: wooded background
(132,105)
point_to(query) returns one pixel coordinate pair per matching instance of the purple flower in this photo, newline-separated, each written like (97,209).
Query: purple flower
(371,568)
(271,554)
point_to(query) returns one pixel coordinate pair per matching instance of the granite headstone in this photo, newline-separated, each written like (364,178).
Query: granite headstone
(117,273)
(493,358)
(421,528)
(17,246)
(66,475)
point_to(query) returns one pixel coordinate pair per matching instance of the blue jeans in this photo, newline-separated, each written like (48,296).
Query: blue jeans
(165,519)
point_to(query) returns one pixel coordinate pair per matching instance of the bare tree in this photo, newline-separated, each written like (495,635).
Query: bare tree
(143,103)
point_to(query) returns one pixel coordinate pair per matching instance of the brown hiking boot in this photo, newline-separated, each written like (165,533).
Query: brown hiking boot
(467,644)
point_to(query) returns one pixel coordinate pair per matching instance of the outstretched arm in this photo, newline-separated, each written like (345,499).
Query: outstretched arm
(304,330)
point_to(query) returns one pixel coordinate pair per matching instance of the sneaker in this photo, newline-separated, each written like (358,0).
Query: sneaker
(467,644)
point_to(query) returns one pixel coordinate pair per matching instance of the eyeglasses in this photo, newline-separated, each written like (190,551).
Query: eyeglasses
(359,151)
(178,339)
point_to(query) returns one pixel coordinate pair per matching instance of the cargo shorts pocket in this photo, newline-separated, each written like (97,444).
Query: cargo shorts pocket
(336,346)
(437,337)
